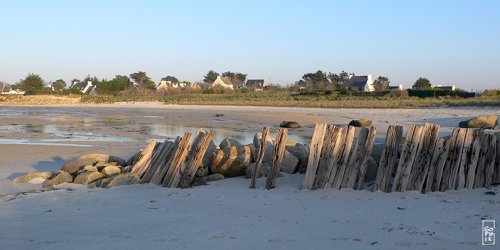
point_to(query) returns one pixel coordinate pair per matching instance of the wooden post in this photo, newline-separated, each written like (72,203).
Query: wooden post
(422,162)
(260,158)
(389,159)
(489,162)
(464,160)
(328,155)
(496,170)
(472,165)
(161,170)
(173,174)
(279,150)
(314,155)
(461,148)
(484,171)
(159,160)
(451,158)
(343,158)
(437,164)
(195,158)
(356,168)
(144,160)
(410,150)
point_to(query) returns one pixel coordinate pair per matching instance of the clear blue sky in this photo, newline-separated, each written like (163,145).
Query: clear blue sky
(447,41)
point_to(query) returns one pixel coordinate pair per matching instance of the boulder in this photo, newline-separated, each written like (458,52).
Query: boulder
(116,180)
(202,172)
(209,154)
(132,160)
(361,123)
(198,181)
(89,168)
(32,175)
(371,170)
(59,177)
(88,177)
(231,159)
(483,121)
(111,170)
(290,124)
(290,161)
(213,177)
(73,166)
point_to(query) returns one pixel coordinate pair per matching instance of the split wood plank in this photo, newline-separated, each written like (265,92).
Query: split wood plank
(450,159)
(195,158)
(460,144)
(496,170)
(260,158)
(279,150)
(161,170)
(159,159)
(144,159)
(356,167)
(410,148)
(173,175)
(464,160)
(314,155)
(437,164)
(422,162)
(389,159)
(328,155)
(341,164)
(484,171)
(473,160)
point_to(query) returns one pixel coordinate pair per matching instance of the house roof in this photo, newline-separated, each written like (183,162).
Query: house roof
(255,83)
(226,79)
(357,81)
(80,85)
(4,87)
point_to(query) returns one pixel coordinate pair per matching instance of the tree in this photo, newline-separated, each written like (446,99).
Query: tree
(172,79)
(422,83)
(210,76)
(59,85)
(32,83)
(142,80)
(119,83)
(381,83)
(315,80)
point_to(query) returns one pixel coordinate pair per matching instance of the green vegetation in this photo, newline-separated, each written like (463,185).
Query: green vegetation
(32,84)
(422,83)
(291,99)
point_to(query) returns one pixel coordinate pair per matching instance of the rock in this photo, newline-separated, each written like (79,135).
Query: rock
(132,160)
(231,159)
(198,181)
(89,168)
(111,170)
(361,123)
(377,151)
(59,177)
(290,161)
(213,177)
(32,175)
(209,154)
(483,121)
(88,177)
(371,170)
(290,124)
(301,151)
(116,180)
(73,166)
(202,172)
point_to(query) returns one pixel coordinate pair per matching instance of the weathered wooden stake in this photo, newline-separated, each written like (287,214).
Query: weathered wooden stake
(260,158)
(389,159)
(279,150)
(195,158)
(314,155)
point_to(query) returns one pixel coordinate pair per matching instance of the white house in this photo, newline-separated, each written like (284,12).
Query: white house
(442,87)
(224,82)
(84,87)
(257,84)
(361,83)
(6,89)
(398,87)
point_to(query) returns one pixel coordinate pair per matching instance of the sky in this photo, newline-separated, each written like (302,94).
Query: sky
(447,41)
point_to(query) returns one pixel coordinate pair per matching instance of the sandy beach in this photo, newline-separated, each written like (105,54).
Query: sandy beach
(224,214)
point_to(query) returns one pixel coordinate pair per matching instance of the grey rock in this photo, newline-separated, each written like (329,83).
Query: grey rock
(88,177)
(59,177)
(73,166)
(290,161)
(209,154)
(290,124)
(32,175)
(213,177)
(361,123)
(231,159)
(202,172)
(371,170)
(116,180)
(483,121)
(198,181)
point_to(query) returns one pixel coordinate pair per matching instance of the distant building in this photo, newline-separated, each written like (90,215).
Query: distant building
(223,81)
(360,83)
(441,87)
(6,89)
(165,85)
(398,87)
(257,84)
(84,87)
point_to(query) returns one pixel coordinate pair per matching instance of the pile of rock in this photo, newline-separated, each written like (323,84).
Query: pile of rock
(93,170)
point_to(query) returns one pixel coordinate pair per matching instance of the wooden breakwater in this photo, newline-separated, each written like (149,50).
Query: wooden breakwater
(418,160)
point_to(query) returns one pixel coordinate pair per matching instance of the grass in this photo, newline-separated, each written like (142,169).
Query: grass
(287,99)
